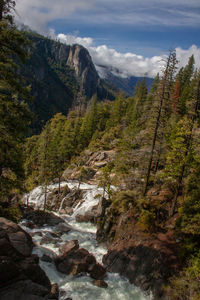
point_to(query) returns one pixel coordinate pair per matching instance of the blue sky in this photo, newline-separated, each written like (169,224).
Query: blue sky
(147,28)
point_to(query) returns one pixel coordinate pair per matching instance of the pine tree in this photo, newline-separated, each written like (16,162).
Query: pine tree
(164,89)
(89,123)
(140,98)
(193,116)
(14,113)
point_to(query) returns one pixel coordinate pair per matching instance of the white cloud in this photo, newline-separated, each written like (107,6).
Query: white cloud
(72,39)
(38,13)
(183,55)
(129,64)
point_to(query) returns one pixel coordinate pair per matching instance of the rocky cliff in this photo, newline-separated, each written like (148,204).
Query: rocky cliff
(56,74)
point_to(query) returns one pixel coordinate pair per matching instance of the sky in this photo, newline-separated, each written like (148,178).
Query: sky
(134,36)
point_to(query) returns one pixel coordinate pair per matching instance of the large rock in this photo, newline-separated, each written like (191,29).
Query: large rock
(97,271)
(48,238)
(147,261)
(20,274)
(100,283)
(68,247)
(62,228)
(40,217)
(74,260)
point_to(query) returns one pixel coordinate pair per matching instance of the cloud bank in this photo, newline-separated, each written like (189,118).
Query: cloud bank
(129,64)
(37,14)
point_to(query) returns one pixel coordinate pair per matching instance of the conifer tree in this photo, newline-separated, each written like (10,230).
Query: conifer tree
(186,147)
(164,89)
(140,98)
(14,113)
(89,123)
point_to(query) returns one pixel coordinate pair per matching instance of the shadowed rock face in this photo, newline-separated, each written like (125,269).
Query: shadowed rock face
(147,258)
(80,60)
(74,260)
(57,73)
(20,274)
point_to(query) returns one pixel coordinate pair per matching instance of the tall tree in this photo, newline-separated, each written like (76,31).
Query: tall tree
(163,95)
(192,118)
(14,113)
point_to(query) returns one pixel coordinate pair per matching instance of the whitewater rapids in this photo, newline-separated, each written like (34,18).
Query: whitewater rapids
(79,287)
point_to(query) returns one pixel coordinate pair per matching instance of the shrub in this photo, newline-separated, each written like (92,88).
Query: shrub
(12,213)
(146,220)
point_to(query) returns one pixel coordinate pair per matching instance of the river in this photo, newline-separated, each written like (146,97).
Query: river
(79,287)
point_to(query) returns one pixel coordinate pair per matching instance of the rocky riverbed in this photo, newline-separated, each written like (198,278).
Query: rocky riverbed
(68,251)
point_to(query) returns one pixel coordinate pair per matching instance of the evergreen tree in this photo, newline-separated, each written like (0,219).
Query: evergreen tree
(89,123)
(193,116)
(14,114)
(140,98)
(164,89)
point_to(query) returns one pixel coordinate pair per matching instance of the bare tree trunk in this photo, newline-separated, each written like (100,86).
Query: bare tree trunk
(168,74)
(45,196)
(59,185)
(27,201)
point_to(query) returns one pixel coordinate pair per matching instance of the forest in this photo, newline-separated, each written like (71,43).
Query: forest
(155,135)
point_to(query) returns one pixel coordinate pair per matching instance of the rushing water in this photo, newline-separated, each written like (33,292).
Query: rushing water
(80,287)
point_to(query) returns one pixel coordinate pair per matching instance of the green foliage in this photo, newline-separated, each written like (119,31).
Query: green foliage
(189,221)
(89,123)
(186,285)
(122,201)
(12,213)
(105,179)
(178,140)
(146,220)
(14,113)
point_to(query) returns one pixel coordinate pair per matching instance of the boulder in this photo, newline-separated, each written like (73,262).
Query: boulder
(23,290)
(20,274)
(21,242)
(76,261)
(100,283)
(97,271)
(49,239)
(41,218)
(46,258)
(85,218)
(68,247)
(62,228)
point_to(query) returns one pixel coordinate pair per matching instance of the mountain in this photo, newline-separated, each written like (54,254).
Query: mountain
(114,77)
(56,73)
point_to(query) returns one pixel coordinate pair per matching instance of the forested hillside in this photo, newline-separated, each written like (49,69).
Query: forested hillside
(155,167)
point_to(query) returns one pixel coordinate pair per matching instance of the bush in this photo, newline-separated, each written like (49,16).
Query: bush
(12,213)
(187,284)
(146,220)
(121,201)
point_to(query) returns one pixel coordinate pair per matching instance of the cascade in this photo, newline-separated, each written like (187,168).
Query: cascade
(79,287)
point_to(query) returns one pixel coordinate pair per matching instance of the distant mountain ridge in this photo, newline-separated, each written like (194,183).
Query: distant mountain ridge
(57,73)
(125,83)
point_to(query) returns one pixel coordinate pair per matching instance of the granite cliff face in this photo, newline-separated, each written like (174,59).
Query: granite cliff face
(79,59)
(56,74)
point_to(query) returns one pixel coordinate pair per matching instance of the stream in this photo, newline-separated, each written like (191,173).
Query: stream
(78,287)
